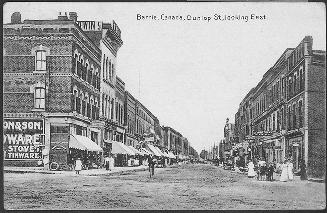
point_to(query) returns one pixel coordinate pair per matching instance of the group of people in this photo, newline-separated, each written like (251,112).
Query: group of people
(265,171)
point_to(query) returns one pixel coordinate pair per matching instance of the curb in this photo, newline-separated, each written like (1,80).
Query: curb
(118,172)
(316,180)
(29,171)
(63,172)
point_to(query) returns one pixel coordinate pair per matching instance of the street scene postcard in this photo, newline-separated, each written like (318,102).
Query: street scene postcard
(164,106)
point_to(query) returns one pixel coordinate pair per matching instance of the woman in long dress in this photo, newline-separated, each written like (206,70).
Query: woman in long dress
(284,175)
(251,172)
(290,170)
(78,165)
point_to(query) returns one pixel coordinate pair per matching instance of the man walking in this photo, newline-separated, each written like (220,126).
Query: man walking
(151,165)
(106,162)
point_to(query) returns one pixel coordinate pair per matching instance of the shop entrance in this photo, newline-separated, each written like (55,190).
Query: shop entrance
(296,156)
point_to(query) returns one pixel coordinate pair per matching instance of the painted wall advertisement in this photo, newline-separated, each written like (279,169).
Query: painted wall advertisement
(22,139)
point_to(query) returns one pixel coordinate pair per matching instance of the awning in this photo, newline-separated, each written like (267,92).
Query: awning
(146,152)
(118,148)
(129,150)
(154,150)
(135,150)
(166,154)
(171,155)
(83,143)
(160,152)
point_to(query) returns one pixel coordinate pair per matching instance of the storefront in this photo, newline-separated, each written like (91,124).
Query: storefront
(84,148)
(295,151)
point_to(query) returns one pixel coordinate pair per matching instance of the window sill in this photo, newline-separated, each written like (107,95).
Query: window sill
(40,71)
(38,110)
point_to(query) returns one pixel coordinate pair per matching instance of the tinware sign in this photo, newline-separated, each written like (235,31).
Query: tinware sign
(22,139)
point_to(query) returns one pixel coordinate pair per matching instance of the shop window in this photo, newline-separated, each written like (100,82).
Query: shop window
(79,130)
(59,129)
(94,137)
(39,98)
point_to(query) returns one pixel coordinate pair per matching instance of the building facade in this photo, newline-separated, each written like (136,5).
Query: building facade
(48,79)
(130,120)
(283,117)
(107,36)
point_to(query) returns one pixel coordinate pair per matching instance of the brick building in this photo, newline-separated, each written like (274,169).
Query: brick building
(120,103)
(51,74)
(130,120)
(60,84)
(107,36)
(284,115)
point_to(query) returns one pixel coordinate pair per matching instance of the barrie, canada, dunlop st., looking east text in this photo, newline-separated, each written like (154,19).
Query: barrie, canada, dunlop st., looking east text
(209,18)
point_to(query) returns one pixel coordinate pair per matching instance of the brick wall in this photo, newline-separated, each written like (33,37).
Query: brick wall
(14,64)
(18,102)
(317,121)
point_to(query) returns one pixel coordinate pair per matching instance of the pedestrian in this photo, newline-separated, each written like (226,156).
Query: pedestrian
(78,165)
(290,170)
(303,170)
(284,174)
(270,172)
(251,172)
(151,165)
(261,169)
(106,162)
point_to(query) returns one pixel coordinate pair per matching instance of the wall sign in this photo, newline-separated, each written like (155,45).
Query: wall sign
(22,139)
(90,25)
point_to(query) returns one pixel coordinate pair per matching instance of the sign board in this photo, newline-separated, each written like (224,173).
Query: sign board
(22,139)
(90,25)
(149,139)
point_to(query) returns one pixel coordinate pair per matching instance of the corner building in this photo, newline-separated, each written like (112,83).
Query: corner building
(51,75)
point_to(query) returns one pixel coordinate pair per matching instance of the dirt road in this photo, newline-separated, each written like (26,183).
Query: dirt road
(181,187)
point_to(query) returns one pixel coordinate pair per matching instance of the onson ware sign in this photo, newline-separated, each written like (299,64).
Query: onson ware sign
(22,139)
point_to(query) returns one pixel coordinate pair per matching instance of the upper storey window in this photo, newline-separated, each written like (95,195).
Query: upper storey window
(40,52)
(41,61)
(39,98)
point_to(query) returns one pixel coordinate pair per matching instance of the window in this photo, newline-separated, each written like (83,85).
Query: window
(39,98)
(294,116)
(300,114)
(289,118)
(59,129)
(301,79)
(40,60)
(110,77)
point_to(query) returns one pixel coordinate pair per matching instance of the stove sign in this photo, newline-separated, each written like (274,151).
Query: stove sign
(22,139)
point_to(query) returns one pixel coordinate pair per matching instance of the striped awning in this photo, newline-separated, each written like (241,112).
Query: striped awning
(83,143)
(136,151)
(154,150)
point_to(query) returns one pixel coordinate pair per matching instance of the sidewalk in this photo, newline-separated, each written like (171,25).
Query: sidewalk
(91,172)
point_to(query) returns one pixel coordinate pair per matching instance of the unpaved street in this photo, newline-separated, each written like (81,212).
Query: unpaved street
(181,187)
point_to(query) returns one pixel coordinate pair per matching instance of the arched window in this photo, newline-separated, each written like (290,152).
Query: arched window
(104,66)
(110,70)
(107,69)
(300,112)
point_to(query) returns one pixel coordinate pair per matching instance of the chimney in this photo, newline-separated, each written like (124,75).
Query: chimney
(73,16)
(62,17)
(16,18)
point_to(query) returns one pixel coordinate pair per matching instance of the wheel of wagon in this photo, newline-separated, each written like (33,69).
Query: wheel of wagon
(54,166)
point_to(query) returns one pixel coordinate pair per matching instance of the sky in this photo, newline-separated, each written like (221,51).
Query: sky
(193,74)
